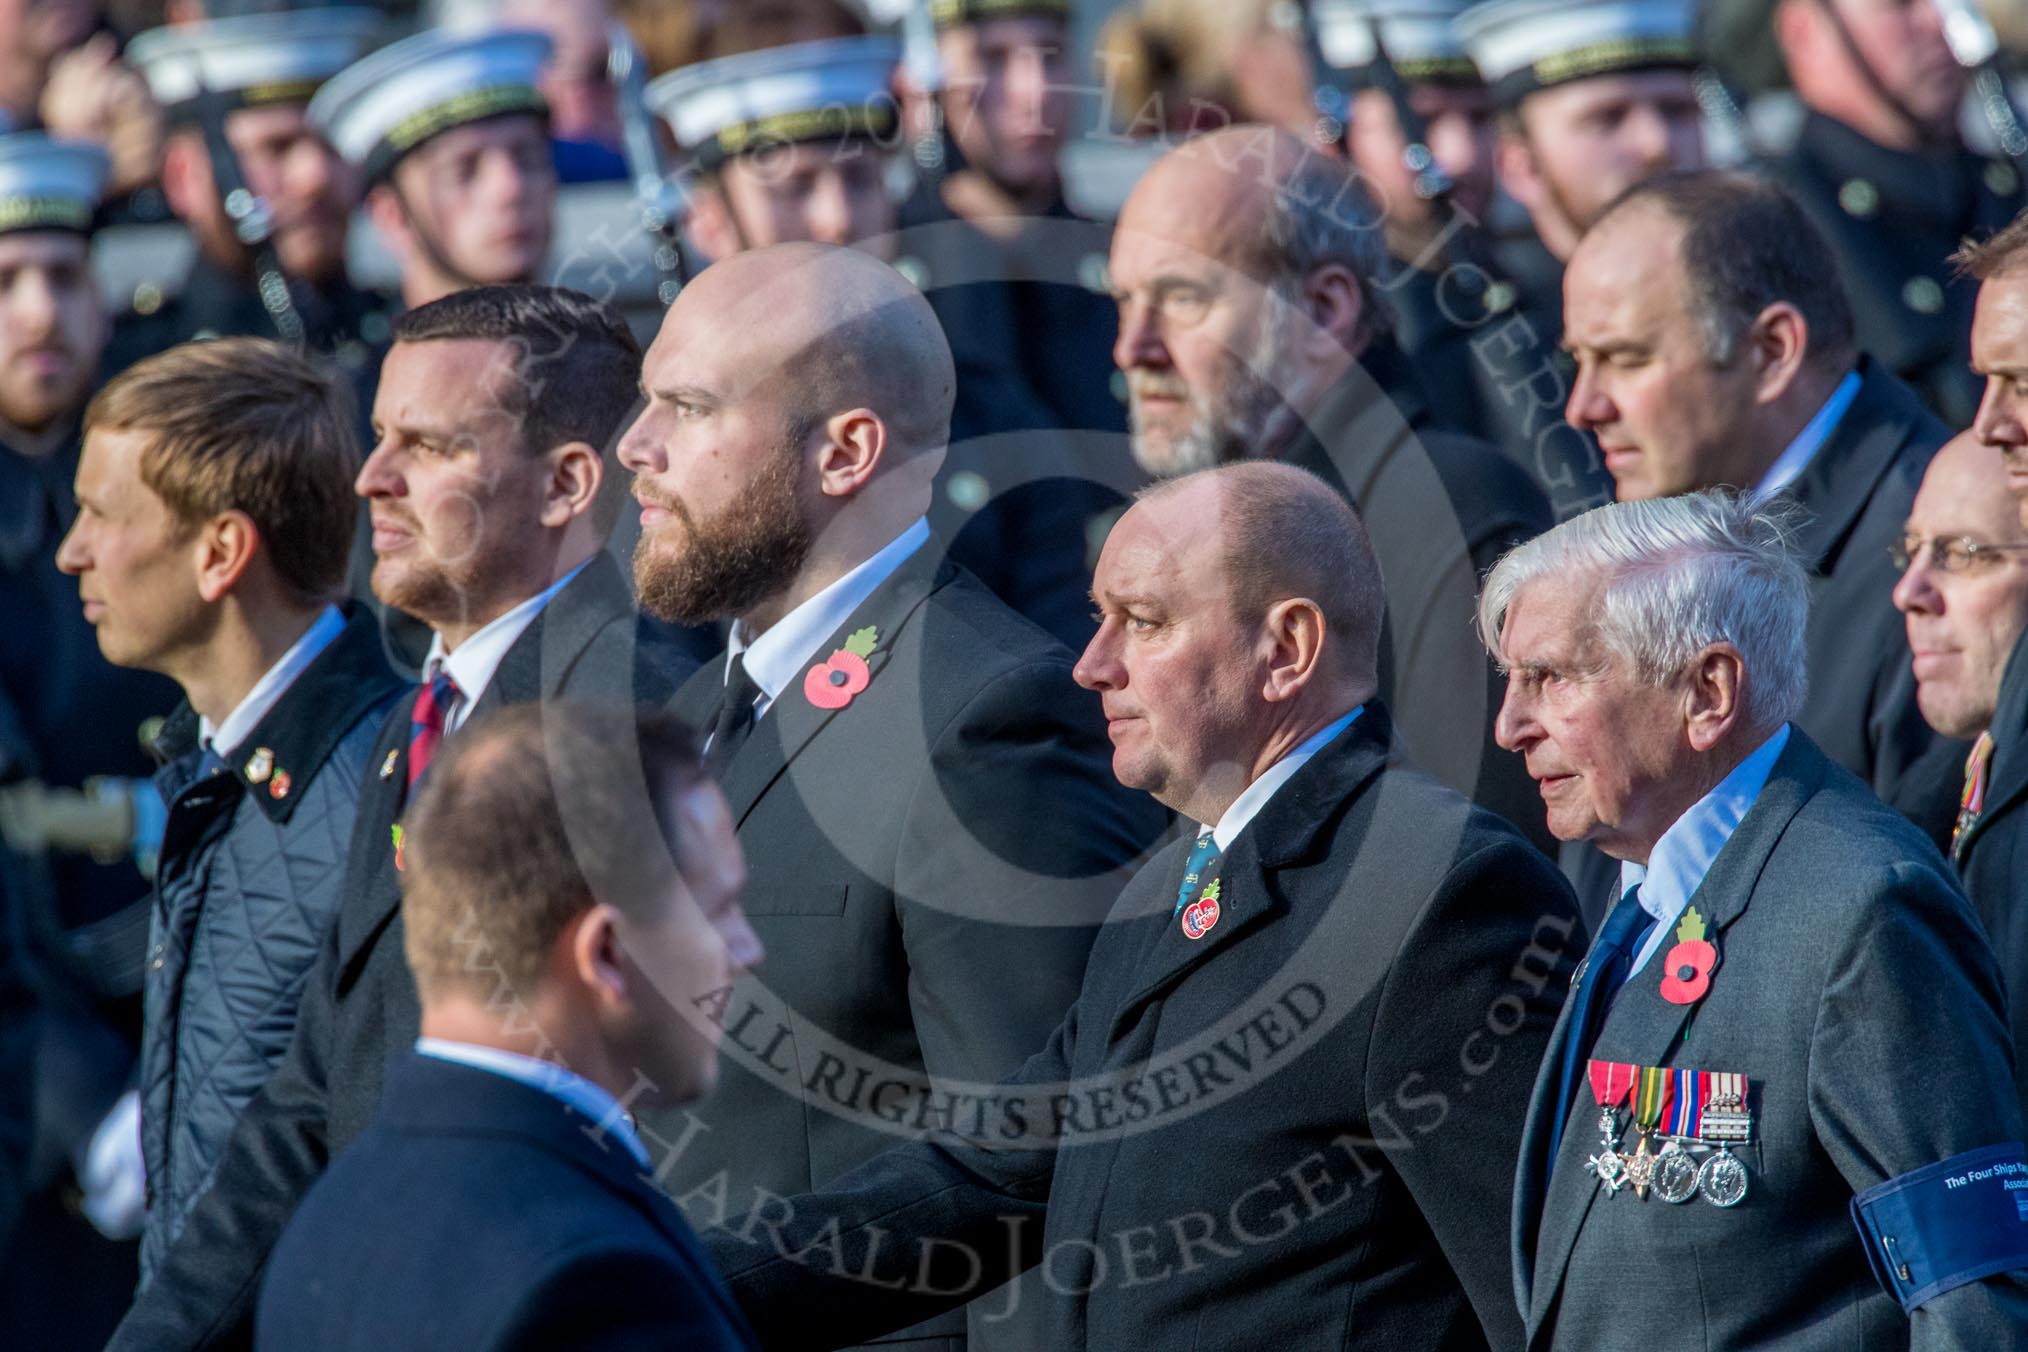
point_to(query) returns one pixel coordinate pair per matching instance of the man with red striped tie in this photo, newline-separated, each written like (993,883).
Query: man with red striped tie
(485,491)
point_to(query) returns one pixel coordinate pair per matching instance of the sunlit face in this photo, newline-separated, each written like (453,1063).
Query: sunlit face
(1902,46)
(308,188)
(1201,344)
(687,951)
(454,493)
(1588,141)
(1178,673)
(1608,751)
(483,196)
(136,563)
(718,470)
(1008,97)
(1457,119)
(1962,624)
(2000,354)
(820,192)
(1668,419)
(52,327)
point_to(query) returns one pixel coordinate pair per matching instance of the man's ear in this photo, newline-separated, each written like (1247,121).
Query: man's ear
(1293,636)
(575,472)
(854,443)
(1334,307)
(592,946)
(186,175)
(224,548)
(384,208)
(1713,694)
(1779,344)
(710,223)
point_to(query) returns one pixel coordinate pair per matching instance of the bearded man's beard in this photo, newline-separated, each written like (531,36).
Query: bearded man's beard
(724,566)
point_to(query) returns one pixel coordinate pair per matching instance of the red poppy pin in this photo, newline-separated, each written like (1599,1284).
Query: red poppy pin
(397,833)
(1200,915)
(832,684)
(1686,970)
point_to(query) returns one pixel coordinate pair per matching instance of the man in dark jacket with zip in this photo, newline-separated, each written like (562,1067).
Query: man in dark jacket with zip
(489,507)
(215,520)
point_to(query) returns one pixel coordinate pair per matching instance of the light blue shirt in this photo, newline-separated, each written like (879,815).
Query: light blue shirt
(1255,797)
(273,684)
(478,657)
(590,1101)
(1790,464)
(1680,859)
(775,660)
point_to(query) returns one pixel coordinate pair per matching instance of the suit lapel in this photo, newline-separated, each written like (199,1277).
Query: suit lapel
(372,856)
(791,720)
(1641,1027)
(1840,479)
(1281,834)
(2009,773)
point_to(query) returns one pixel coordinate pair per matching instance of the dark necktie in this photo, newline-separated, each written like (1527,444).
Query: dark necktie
(1605,971)
(1203,857)
(735,716)
(433,705)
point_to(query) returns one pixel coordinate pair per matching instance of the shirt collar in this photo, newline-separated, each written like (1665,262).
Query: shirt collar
(588,1099)
(1255,796)
(478,657)
(776,658)
(1790,464)
(273,684)
(1680,859)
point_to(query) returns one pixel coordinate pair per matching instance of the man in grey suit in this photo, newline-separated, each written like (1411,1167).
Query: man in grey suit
(920,787)
(1714,349)
(1791,1005)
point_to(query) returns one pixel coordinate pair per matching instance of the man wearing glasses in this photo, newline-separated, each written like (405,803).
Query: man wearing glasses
(1964,595)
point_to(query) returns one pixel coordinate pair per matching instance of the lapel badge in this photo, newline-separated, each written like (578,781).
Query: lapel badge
(396,832)
(260,765)
(387,766)
(1686,969)
(278,787)
(1200,915)
(833,684)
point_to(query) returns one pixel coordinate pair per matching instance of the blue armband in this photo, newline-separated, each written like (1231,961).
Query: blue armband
(1946,1224)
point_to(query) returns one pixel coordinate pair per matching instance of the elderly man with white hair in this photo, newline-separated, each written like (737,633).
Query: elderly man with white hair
(1790,1007)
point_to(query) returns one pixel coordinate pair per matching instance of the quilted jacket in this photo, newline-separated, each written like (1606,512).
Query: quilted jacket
(247,887)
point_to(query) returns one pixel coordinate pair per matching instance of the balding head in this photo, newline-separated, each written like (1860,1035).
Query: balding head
(1240,613)
(1244,267)
(799,403)
(825,329)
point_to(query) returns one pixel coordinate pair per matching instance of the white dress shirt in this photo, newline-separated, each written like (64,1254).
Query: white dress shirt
(478,657)
(1255,796)
(1790,464)
(1680,859)
(591,1101)
(273,684)
(776,659)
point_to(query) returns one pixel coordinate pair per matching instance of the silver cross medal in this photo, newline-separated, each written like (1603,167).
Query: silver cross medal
(1607,1164)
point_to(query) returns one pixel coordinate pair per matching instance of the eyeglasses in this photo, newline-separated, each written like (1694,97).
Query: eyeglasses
(1948,556)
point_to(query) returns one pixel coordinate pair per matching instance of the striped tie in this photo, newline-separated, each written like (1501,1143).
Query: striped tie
(1977,766)
(433,706)
(1203,855)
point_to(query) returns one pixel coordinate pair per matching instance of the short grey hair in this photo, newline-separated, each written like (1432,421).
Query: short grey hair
(1319,214)
(1680,574)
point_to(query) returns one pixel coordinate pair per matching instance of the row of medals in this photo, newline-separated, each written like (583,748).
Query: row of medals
(1674,1172)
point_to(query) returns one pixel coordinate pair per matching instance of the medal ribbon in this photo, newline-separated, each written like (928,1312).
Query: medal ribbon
(1727,1088)
(1690,1090)
(1654,1091)
(1610,1081)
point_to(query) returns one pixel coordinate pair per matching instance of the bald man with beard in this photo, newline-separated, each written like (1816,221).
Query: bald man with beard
(922,792)
(1250,328)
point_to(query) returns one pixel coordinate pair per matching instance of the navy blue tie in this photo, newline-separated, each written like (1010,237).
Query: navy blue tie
(1202,856)
(1605,971)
